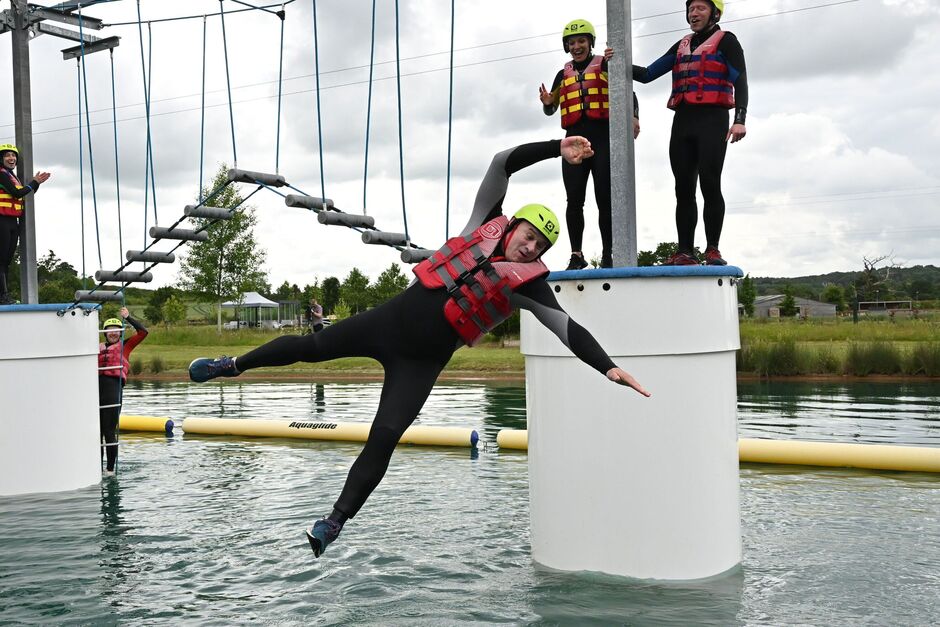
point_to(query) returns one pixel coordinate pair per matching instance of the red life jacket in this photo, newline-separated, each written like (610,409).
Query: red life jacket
(701,77)
(10,206)
(479,288)
(114,356)
(583,91)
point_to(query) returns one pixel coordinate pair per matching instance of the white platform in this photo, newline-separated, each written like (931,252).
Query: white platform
(49,408)
(619,483)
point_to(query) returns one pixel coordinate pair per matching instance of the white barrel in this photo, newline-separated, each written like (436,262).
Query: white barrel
(619,483)
(49,390)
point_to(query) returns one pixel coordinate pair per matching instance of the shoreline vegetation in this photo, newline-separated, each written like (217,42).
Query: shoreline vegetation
(790,348)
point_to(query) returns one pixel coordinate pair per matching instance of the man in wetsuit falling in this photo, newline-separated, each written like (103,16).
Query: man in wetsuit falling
(474,282)
(708,78)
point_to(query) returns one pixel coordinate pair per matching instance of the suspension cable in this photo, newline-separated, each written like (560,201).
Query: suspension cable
(143,69)
(280,80)
(91,154)
(202,109)
(316,65)
(401,149)
(81,165)
(450,121)
(365,173)
(117,168)
(228,83)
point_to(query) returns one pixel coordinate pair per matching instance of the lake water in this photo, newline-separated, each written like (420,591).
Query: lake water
(208,530)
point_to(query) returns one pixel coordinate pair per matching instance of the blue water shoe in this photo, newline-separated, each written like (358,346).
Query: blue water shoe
(321,534)
(203,369)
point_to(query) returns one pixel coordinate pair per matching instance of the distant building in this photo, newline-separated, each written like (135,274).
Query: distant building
(769,307)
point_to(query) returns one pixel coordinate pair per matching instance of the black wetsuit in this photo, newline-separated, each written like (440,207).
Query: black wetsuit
(575,176)
(413,341)
(10,226)
(699,141)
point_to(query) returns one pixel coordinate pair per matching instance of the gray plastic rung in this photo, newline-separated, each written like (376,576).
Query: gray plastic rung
(382,237)
(87,296)
(200,211)
(186,235)
(345,219)
(150,256)
(247,176)
(125,276)
(308,202)
(415,255)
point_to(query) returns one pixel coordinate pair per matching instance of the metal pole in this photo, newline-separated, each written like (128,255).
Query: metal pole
(622,162)
(23,118)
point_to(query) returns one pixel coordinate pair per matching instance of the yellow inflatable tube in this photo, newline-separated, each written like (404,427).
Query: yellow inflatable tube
(349,432)
(146,423)
(796,452)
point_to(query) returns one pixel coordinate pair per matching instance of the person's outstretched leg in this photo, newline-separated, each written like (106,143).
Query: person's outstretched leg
(575,177)
(407,386)
(684,158)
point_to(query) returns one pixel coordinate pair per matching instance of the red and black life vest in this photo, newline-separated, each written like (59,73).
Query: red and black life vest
(113,357)
(583,92)
(10,206)
(479,289)
(701,77)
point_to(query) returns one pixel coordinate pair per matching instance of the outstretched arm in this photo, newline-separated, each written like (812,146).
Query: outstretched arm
(538,298)
(489,200)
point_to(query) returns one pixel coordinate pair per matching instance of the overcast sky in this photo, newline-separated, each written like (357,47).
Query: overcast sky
(840,160)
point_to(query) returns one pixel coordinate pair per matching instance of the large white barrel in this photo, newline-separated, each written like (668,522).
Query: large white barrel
(620,483)
(49,432)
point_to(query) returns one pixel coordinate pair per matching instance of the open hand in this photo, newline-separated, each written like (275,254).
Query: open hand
(623,377)
(42,177)
(546,96)
(576,149)
(124,313)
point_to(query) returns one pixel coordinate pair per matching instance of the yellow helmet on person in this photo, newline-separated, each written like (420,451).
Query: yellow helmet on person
(718,4)
(577,27)
(113,322)
(9,148)
(542,218)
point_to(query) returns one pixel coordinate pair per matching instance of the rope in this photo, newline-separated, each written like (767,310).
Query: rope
(450,121)
(81,168)
(91,153)
(280,79)
(143,69)
(365,173)
(202,108)
(228,83)
(316,63)
(153,177)
(401,150)
(117,168)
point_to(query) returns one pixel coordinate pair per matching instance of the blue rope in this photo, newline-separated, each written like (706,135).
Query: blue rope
(228,83)
(202,108)
(91,154)
(365,173)
(143,69)
(316,50)
(401,150)
(450,121)
(81,168)
(117,168)
(280,80)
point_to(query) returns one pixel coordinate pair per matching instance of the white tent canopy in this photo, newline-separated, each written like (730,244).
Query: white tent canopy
(251,299)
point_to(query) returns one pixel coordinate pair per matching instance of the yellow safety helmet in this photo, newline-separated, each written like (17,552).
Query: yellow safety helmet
(9,148)
(577,27)
(718,4)
(113,322)
(542,218)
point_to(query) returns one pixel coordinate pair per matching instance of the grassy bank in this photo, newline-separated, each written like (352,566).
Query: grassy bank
(908,347)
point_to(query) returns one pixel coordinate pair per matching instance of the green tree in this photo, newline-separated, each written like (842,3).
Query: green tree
(57,279)
(355,290)
(835,295)
(173,310)
(341,310)
(788,307)
(390,283)
(154,311)
(230,261)
(747,295)
(329,296)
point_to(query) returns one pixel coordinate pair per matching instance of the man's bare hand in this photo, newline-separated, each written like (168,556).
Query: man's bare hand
(576,149)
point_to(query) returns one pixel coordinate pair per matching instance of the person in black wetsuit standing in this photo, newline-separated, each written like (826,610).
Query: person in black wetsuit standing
(709,77)
(580,90)
(465,289)
(12,195)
